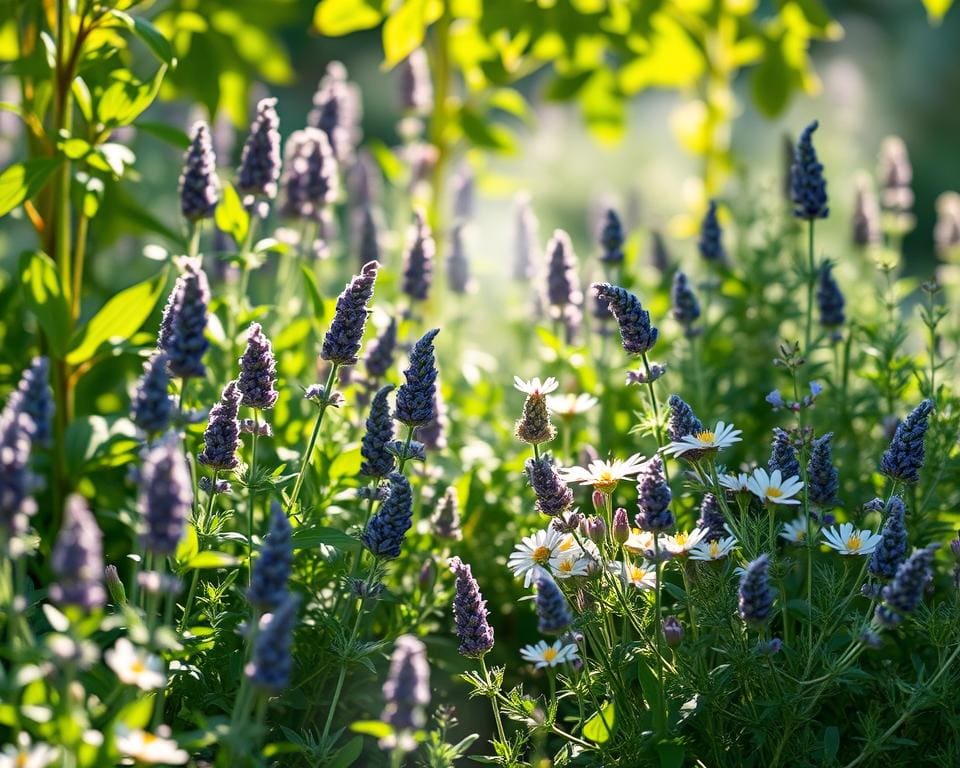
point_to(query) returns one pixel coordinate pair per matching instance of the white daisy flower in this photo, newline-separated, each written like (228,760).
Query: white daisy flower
(543,655)
(847,540)
(681,543)
(569,564)
(722,436)
(771,488)
(27,754)
(639,542)
(570,405)
(531,557)
(135,666)
(737,483)
(146,747)
(713,550)
(604,475)
(796,531)
(535,387)
(642,576)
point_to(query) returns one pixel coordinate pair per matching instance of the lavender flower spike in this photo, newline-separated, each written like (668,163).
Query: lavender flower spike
(221,439)
(386,530)
(563,285)
(377,460)
(406,692)
(783,455)
(199,184)
(258,371)
(272,661)
(379,357)
(636,332)
(446,521)
(892,549)
(470,613)
(682,421)
(807,186)
(711,518)
(822,476)
(416,395)
(653,498)
(711,237)
(554,496)
(260,161)
(78,558)
(904,458)
(418,259)
(152,405)
(166,497)
(341,344)
(552,609)
(830,299)
(35,398)
(271,570)
(16,480)
(186,342)
(685,307)
(902,595)
(756,594)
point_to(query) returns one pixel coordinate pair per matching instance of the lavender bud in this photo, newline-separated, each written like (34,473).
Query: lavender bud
(77,558)
(309,178)
(186,342)
(199,184)
(221,486)
(552,609)
(427,576)
(710,243)
(16,480)
(636,332)
(594,528)
(866,215)
(418,259)
(686,308)
(554,496)
(643,376)
(892,549)
(249,426)
(221,439)
(896,174)
(406,692)
(653,498)
(903,460)
(271,570)
(756,594)
(563,285)
(337,111)
(386,530)
(446,521)
(342,341)
(807,186)
(902,595)
(272,662)
(711,518)
(783,455)
(621,526)
(377,460)
(414,88)
(672,631)
(770,647)
(366,235)
(470,613)
(380,351)
(165,498)
(599,500)
(682,421)
(659,256)
(830,301)
(822,476)
(433,434)
(260,160)
(34,397)
(403,451)
(415,396)
(152,405)
(946,233)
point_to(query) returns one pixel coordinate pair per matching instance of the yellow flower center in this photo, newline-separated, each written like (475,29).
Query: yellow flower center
(22,758)
(550,654)
(773,492)
(706,436)
(541,555)
(714,549)
(801,535)
(636,574)
(567,544)
(138,666)
(680,539)
(854,543)
(565,565)
(149,738)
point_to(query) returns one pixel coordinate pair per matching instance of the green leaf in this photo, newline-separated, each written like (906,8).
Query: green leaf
(376,728)
(21,181)
(231,216)
(316,300)
(124,100)
(308,538)
(771,83)
(831,743)
(486,134)
(164,132)
(211,559)
(43,294)
(347,754)
(341,17)
(154,40)
(136,715)
(189,545)
(389,163)
(404,29)
(671,755)
(600,726)
(118,319)
(937,9)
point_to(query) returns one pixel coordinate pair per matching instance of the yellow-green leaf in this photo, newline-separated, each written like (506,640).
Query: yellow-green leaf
(211,559)
(231,216)
(341,17)
(601,724)
(404,29)
(21,181)
(937,9)
(44,295)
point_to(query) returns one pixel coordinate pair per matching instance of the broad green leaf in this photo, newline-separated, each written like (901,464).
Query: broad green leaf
(389,163)
(831,743)
(376,728)
(600,726)
(486,134)
(308,538)
(603,106)
(211,559)
(118,319)
(154,40)
(21,181)
(347,754)
(937,9)
(44,295)
(771,84)
(231,216)
(137,714)
(164,132)
(123,101)
(404,30)
(313,290)
(189,545)
(341,17)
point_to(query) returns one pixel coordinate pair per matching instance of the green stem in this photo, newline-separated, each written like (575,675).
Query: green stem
(658,634)
(493,703)
(811,281)
(252,490)
(295,495)
(656,412)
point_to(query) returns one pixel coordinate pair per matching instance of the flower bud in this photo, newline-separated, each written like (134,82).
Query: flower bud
(112,579)
(672,631)
(621,526)
(596,529)
(599,501)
